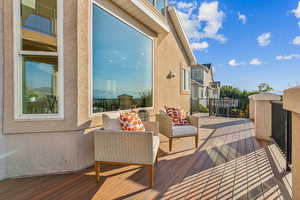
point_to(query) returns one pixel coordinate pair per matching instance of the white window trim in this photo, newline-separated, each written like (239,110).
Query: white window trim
(17,59)
(185,80)
(91,114)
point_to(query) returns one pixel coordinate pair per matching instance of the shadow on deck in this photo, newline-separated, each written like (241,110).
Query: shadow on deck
(229,164)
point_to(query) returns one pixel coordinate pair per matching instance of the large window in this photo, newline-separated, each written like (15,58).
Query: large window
(38,58)
(122,64)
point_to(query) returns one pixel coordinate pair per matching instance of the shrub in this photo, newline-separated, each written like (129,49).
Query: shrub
(202,109)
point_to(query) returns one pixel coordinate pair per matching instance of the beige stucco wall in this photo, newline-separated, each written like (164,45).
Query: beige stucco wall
(35,147)
(263,114)
(42,146)
(168,56)
(251,109)
(263,120)
(35,154)
(291,99)
(70,76)
(85,119)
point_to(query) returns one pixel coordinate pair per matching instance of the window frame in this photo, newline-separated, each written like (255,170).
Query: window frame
(154,4)
(18,65)
(113,14)
(185,80)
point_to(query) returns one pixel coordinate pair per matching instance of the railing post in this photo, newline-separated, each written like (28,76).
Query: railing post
(251,108)
(288,139)
(291,99)
(209,107)
(191,106)
(263,114)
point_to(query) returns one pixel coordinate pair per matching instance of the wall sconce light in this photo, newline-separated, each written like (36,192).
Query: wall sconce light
(171,75)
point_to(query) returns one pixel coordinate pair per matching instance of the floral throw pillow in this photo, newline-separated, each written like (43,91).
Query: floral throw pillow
(178,116)
(130,121)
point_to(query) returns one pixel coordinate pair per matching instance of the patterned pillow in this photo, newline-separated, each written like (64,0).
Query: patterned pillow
(178,116)
(130,121)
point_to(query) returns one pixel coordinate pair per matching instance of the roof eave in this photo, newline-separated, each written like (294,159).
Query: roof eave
(182,36)
(146,13)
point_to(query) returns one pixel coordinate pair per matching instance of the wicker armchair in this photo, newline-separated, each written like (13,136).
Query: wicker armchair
(167,128)
(127,147)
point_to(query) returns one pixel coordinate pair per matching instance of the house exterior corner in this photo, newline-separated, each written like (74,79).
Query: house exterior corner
(69,74)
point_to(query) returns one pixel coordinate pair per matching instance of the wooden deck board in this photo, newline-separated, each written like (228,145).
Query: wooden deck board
(228,164)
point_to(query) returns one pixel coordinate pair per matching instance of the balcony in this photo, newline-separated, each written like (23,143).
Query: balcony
(215,84)
(147,13)
(198,80)
(159,5)
(228,164)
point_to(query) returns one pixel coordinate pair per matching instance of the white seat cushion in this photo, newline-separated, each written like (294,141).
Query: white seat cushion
(155,142)
(155,146)
(112,115)
(187,130)
(111,121)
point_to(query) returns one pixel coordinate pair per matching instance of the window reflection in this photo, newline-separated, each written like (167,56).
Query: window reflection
(151,1)
(160,5)
(38,21)
(122,65)
(40,85)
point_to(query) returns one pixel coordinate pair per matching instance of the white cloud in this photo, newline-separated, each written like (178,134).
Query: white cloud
(242,18)
(172,2)
(288,57)
(210,14)
(255,61)
(200,46)
(184,5)
(297,11)
(234,63)
(187,8)
(296,40)
(214,70)
(201,22)
(299,24)
(264,39)
(190,26)
(45,68)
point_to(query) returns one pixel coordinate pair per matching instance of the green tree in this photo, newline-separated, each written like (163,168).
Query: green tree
(236,93)
(264,87)
(229,91)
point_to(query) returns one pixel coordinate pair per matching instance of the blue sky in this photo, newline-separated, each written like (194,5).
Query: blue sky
(248,41)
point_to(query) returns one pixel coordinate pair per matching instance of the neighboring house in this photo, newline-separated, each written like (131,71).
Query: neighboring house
(203,85)
(65,62)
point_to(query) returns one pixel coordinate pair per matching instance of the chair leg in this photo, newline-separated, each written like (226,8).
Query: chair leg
(156,160)
(150,169)
(97,169)
(170,144)
(196,141)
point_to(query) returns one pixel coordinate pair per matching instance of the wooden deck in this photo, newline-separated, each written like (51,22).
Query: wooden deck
(229,164)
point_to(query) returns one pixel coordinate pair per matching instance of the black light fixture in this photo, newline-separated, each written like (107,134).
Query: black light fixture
(171,75)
